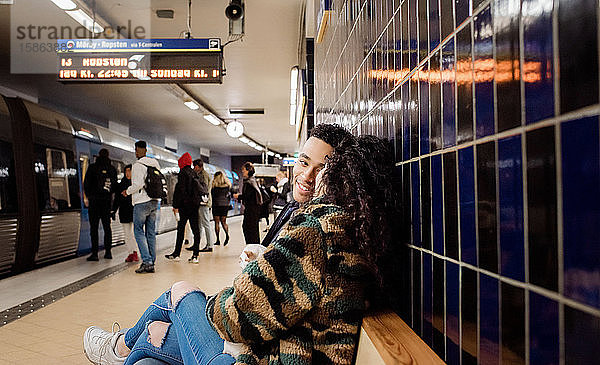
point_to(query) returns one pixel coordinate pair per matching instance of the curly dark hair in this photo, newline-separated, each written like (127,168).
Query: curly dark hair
(332,134)
(359,177)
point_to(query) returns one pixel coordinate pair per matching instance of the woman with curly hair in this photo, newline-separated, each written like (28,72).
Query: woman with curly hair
(302,301)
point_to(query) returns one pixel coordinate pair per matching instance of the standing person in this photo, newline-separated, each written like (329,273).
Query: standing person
(204,210)
(220,192)
(99,185)
(266,208)
(144,208)
(125,208)
(186,200)
(281,191)
(252,200)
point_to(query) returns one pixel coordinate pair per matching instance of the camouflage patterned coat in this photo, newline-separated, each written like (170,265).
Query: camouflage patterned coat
(301,302)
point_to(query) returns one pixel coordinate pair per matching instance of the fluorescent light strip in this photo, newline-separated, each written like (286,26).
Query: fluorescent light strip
(212,119)
(65,4)
(192,105)
(258,148)
(244,140)
(293,114)
(252,144)
(270,153)
(82,18)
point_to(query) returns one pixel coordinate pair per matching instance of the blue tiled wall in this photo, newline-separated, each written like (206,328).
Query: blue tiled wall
(491,107)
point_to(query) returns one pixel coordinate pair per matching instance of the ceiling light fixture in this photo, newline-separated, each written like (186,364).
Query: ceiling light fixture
(244,140)
(212,119)
(278,155)
(191,104)
(270,153)
(82,18)
(293,94)
(259,148)
(252,144)
(65,4)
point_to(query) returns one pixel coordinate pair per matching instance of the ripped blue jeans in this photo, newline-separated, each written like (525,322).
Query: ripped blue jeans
(190,338)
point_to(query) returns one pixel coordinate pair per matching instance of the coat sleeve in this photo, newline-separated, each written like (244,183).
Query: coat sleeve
(275,291)
(179,191)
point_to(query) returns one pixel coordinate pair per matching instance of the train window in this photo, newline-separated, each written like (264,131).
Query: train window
(58,179)
(8,186)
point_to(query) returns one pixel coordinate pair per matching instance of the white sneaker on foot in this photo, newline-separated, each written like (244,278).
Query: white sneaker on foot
(99,346)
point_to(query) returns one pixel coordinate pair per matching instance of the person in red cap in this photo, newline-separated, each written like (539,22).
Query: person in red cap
(186,200)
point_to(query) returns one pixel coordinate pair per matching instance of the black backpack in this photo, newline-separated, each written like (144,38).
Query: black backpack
(155,184)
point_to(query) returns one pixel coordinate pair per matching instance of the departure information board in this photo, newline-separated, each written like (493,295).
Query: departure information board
(140,60)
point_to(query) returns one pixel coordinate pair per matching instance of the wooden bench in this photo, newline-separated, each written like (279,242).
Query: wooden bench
(386,339)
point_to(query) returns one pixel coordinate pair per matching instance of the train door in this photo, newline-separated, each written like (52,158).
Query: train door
(86,151)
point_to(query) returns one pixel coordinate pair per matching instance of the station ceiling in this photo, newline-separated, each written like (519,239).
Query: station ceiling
(258,72)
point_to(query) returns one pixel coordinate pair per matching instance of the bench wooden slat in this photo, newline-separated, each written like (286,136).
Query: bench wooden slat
(395,341)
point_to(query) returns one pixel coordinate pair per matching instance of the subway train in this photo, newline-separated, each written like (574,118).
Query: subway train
(56,217)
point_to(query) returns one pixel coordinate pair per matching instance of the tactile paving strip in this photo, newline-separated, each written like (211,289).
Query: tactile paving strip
(30,306)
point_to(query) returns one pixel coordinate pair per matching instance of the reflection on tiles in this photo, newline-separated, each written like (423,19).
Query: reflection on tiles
(543,329)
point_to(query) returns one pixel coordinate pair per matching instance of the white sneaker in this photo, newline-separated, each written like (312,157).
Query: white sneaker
(193,260)
(99,346)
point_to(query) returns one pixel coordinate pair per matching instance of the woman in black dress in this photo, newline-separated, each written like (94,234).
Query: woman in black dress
(221,187)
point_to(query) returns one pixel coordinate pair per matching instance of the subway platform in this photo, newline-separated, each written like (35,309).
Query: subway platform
(77,294)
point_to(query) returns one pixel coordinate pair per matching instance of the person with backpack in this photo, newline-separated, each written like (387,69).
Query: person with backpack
(148,187)
(186,200)
(99,185)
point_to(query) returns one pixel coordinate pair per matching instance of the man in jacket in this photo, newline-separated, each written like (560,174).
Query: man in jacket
(204,209)
(144,208)
(99,185)
(186,200)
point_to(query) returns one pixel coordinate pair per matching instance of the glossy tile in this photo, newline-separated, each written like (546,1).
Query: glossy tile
(448,94)
(513,324)
(414,115)
(437,206)
(510,188)
(416,206)
(450,206)
(484,73)
(486,206)
(406,203)
(508,88)
(543,330)
(469,323)
(427,335)
(464,85)
(435,98)
(399,140)
(581,209)
(466,179)
(414,37)
(541,205)
(447,15)
(417,319)
(434,24)
(538,70)
(405,38)
(452,317)
(578,52)
(423,33)
(579,326)
(426,203)
(462,10)
(424,109)
(489,317)
(439,342)
(406,120)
